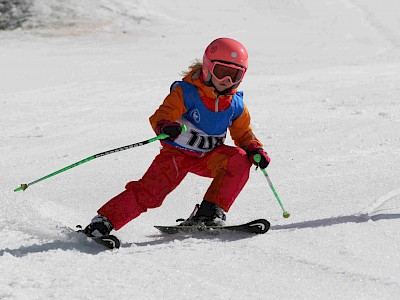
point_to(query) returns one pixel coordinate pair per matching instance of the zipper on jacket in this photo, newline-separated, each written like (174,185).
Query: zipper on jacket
(216,104)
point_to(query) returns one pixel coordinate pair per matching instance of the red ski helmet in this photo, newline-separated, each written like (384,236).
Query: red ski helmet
(224,50)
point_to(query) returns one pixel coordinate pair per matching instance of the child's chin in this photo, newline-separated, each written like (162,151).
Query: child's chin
(221,88)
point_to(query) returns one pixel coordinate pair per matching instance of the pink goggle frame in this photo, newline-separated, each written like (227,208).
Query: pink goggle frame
(222,71)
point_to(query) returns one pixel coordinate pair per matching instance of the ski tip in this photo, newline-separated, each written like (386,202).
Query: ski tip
(114,242)
(109,241)
(260,226)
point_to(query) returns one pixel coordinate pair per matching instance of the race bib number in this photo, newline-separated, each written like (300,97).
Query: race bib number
(197,140)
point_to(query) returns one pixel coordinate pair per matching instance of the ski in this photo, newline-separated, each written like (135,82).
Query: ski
(109,241)
(258,226)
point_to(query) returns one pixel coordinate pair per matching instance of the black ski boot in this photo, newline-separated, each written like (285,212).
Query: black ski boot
(99,226)
(205,214)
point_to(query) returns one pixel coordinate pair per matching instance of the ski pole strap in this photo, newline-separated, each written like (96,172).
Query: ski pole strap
(162,136)
(257,159)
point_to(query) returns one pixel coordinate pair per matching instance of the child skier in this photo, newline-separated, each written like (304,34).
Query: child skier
(208,103)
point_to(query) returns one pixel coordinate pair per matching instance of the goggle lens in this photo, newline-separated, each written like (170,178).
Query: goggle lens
(222,71)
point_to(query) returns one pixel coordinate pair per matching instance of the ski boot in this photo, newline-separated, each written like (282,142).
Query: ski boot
(99,226)
(205,214)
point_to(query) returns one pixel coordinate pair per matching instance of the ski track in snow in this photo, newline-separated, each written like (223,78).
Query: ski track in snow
(322,89)
(382,200)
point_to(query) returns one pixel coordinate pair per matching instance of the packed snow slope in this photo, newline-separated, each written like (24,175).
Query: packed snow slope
(82,77)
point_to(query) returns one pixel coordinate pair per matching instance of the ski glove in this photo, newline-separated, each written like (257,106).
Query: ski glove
(173,129)
(254,149)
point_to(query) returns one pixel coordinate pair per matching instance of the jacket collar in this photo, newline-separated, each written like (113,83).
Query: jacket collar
(194,78)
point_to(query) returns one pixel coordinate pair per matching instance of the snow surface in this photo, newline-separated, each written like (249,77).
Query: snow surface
(323,89)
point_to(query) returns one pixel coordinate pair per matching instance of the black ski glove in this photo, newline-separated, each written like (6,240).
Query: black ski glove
(173,129)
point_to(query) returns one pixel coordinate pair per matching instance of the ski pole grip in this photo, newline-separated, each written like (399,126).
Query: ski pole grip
(163,136)
(257,158)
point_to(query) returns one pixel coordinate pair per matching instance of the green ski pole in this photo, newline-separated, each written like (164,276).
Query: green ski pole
(162,136)
(257,159)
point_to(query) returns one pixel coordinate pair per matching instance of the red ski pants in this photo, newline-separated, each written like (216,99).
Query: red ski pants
(229,166)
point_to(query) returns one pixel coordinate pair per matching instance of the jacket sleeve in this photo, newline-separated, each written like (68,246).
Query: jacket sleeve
(241,132)
(171,109)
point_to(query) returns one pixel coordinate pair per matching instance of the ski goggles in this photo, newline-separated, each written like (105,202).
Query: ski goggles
(222,71)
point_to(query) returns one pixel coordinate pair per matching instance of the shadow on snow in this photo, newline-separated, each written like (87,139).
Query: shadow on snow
(54,245)
(336,221)
(164,238)
(85,245)
(91,247)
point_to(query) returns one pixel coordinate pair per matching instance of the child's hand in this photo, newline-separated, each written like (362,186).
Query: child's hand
(254,149)
(173,129)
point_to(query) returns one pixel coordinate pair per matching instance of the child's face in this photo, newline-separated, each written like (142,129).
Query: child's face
(221,85)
